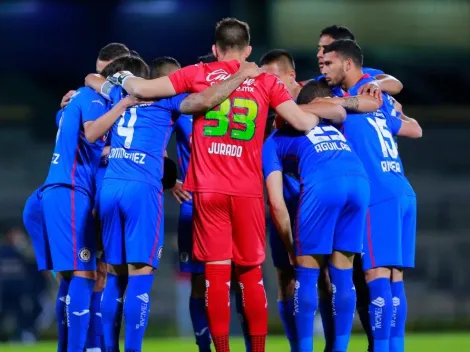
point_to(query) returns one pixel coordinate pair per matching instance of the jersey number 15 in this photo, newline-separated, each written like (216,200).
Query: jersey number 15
(246,119)
(387,143)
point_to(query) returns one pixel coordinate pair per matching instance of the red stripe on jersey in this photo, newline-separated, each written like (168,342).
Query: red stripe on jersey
(369,241)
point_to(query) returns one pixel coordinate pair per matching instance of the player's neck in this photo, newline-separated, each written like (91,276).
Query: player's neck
(232,55)
(351,79)
(294,90)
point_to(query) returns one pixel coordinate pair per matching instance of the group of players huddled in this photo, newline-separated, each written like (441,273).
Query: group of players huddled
(337,194)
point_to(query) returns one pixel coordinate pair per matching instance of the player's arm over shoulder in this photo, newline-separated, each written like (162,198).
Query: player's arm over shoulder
(281,101)
(409,127)
(333,112)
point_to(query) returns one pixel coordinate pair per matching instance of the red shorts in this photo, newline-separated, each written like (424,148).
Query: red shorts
(229,227)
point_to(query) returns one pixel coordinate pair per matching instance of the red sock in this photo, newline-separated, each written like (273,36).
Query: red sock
(255,305)
(218,304)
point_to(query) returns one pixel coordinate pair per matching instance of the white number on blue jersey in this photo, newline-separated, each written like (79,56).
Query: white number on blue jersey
(55,158)
(387,143)
(317,135)
(127,131)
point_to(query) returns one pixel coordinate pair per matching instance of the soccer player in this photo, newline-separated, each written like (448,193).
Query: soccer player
(383,81)
(225,174)
(330,216)
(389,239)
(132,192)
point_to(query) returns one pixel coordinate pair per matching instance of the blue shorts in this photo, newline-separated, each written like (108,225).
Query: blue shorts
(185,241)
(278,250)
(69,225)
(34,224)
(390,236)
(331,216)
(131,215)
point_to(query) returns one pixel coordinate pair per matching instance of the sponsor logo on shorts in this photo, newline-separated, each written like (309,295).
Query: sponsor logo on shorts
(84,255)
(159,253)
(184,257)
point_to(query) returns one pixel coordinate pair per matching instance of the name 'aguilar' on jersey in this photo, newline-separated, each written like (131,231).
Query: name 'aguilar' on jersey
(140,137)
(371,137)
(314,157)
(75,160)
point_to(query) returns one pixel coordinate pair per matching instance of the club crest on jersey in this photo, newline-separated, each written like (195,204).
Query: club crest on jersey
(84,255)
(218,75)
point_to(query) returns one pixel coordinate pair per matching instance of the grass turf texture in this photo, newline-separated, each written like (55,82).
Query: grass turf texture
(435,342)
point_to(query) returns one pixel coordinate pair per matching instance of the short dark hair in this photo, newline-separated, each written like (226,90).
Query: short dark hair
(134,53)
(133,64)
(313,89)
(348,49)
(160,66)
(112,51)
(206,59)
(338,32)
(278,55)
(231,33)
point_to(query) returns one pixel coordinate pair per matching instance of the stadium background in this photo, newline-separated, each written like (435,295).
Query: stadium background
(48,47)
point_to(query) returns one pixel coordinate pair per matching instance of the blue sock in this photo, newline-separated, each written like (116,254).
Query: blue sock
(136,310)
(243,321)
(111,311)
(95,330)
(197,311)
(286,312)
(305,305)
(344,306)
(60,315)
(326,313)
(78,312)
(400,310)
(380,311)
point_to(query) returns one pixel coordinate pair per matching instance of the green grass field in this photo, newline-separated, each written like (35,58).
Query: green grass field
(415,343)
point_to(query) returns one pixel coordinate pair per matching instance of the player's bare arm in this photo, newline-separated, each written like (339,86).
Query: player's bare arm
(199,103)
(333,112)
(359,103)
(300,120)
(146,89)
(95,81)
(410,127)
(66,98)
(94,130)
(384,83)
(278,209)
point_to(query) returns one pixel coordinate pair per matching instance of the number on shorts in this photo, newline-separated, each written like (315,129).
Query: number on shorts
(127,131)
(246,119)
(317,135)
(387,142)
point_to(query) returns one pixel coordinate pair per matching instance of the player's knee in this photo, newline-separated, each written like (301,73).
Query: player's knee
(397,274)
(324,284)
(286,283)
(309,261)
(342,260)
(140,269)
(378,273)
(85,274)
(198,286)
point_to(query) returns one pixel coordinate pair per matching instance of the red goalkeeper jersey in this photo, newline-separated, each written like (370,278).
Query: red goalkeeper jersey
(227,141)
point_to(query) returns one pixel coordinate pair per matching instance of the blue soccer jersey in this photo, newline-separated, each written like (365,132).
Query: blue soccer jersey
(75,160)
(131,197)
(139,140)
(334,191)
(371,136)
(183,129)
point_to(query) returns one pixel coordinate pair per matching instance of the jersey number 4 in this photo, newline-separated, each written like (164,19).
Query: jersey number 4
(127,131)
(247,112)
(387,143)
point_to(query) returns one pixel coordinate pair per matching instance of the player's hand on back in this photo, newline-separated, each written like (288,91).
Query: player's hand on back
(130,100)
(179,193)
(66,98)
(250,69)
(372,89)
